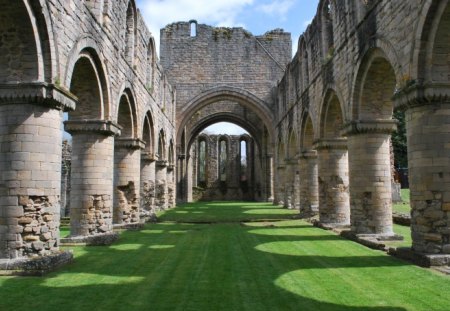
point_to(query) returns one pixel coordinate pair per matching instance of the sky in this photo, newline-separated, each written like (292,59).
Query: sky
(256,16)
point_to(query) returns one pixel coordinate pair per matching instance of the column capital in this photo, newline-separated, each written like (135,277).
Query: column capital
(161,163)
(105,127)
(148,157)
(369,126)
(37,93)
(419,93)
(308,154)
(129,143)
(335,144)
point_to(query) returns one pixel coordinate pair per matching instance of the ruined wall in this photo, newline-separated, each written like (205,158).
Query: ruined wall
(223,56)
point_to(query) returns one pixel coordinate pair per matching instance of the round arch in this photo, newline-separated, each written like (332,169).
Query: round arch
(240,96)
(223,117)
(331,108)
(375,59)
(85,47)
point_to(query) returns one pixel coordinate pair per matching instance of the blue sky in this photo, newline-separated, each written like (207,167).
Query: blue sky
(257,16)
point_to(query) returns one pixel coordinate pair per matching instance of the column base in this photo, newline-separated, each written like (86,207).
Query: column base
(332,226)
(37,266)
(374,241)
(133,226)
(92,240)
(421,259)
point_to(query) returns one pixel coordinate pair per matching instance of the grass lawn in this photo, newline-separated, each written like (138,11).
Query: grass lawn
(229,265)
(403,207)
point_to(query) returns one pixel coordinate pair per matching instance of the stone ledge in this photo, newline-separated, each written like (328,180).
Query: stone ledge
(401,219)
(38,266)
(134,226)
(420,259)
(374,241)
(93,240)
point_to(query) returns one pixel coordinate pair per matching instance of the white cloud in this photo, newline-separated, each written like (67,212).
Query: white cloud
(159,13)
(277,7)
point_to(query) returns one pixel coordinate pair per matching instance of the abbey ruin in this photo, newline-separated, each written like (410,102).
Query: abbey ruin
(319,123)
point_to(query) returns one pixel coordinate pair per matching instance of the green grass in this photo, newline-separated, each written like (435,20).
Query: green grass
(229,265)
(403,207)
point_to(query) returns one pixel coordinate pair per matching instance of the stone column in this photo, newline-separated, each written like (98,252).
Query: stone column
(370,177)
(91,181)
(291,168)
(161,185)
(147,185)
(334,201)
(279,188)
(309,187)
(428,135)
(30,177)
(297,183)
(190,179)
(269,178)
(127,160)
(181,179)
(170,186)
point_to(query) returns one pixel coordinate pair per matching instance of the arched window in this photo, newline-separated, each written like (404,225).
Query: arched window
(223,160)
(130,33)
(202,162)
(193,28)
(150,66)
(327,29)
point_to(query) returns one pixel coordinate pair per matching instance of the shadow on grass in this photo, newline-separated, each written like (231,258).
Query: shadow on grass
(172,266)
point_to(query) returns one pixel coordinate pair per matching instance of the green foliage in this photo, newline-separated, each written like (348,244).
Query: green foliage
(263,265)
(399,141)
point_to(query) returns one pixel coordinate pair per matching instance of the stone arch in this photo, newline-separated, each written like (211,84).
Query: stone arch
(375,72)
(307,133)
(292,147)
(223,117)
(431,60)
(162,146)
(332,116)
(29,42)
(171,153)
(127,115)
(130,32)
(87,47)
(148,133)
(88,83)
(305,62)
(240,96)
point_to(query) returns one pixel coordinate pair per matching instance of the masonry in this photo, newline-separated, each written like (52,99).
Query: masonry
(321,121)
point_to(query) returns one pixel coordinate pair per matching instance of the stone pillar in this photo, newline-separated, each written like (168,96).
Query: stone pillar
(147,185)
(91,180)
(161,185)
(370,177)
(279,188)
(127,160)
(334,201)
(181,179)
(269,178)
(309,187)
(297,182)
(427,127)
(30,177)
(291,168)
(190,179)
(170,186)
